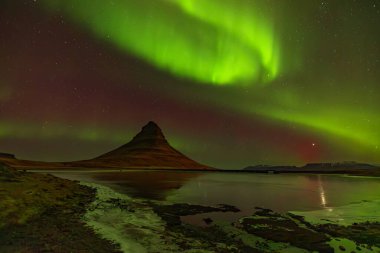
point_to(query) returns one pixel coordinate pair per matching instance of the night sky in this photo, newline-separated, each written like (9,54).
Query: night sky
(231,82)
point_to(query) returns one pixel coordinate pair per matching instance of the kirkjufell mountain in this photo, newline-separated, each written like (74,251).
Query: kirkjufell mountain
(148,149)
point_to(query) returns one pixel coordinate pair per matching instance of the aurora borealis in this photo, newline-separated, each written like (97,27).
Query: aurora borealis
(216,47)
(231,82)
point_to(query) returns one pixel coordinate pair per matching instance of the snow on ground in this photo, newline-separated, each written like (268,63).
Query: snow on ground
(366,211)
(136,228)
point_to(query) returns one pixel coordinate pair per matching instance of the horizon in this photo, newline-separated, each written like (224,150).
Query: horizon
(252,165)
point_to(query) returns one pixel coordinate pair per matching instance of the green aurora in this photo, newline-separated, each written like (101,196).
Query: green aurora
(218,42)
(216,73)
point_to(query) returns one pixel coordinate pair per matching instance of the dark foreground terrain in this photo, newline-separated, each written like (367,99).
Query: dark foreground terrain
(42,213)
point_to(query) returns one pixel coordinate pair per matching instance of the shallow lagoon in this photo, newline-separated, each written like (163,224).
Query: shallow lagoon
(279,192)
(127,211)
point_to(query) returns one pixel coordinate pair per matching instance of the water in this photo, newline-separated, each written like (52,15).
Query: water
(279,192)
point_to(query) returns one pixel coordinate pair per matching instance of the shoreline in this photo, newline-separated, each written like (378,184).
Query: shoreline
(264,231)
(368,174)
(43,213)
(25,165)
(96,218)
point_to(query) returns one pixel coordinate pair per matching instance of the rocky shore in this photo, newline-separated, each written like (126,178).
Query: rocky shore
(139,225)
(43,213)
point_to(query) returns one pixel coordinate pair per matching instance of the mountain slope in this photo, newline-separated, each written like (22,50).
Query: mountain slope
(150,149)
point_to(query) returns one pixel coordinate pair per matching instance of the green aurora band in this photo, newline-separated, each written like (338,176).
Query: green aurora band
(330,117)
(250,25)
(241,44)
(218,42)
(58,130)
(83,133)
(222,42)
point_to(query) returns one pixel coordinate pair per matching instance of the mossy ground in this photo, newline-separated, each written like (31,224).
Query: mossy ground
(42,213)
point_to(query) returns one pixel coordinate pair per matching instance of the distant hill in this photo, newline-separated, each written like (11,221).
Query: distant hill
(340,167)
(149,149)
(7,156)
(269,168)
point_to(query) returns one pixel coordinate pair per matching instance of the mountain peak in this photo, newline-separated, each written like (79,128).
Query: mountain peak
(150,127)
(149,148)
(150,131)
(151,124)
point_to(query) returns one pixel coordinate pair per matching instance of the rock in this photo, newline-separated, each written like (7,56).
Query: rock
(8,174)
(7,156)
(273,226)
(228,208)
(208,221)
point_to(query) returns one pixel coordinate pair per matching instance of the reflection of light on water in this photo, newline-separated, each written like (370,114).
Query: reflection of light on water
(204,191)
(322,195)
